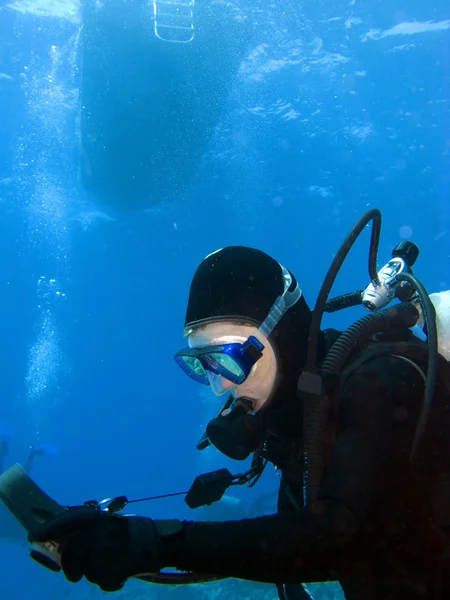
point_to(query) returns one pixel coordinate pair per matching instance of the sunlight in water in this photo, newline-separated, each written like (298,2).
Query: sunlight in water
(61,9)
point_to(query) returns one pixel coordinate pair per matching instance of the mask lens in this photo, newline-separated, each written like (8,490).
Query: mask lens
(228,361)
(229,366)
(193,367)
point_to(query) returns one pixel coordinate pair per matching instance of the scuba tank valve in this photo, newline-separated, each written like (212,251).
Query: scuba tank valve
(387,286)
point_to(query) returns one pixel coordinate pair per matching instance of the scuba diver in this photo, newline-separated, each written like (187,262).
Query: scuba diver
(357,423)
(39,450)
(6,435)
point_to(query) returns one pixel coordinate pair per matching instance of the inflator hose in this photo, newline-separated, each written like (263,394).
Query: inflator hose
(315,404)
(373,215)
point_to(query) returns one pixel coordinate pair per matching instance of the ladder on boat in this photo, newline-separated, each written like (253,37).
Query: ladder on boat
(174,20)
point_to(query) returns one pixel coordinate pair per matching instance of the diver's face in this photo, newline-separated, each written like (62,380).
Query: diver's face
(261,381)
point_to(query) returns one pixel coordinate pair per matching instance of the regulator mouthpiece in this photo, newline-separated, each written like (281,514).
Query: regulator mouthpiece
(236,432)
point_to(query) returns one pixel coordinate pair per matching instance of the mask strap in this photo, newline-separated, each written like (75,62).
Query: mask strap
(281,304)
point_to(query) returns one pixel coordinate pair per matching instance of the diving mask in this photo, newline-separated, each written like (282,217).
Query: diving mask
(234,361)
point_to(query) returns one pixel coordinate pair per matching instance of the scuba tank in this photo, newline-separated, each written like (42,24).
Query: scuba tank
(441,303)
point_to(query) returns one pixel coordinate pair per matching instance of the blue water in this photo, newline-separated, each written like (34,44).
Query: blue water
(338,107)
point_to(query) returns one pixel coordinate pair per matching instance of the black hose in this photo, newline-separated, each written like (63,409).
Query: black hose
(429,315)
(315,404)
(344,301)
(373,244)
(400,315)
(373,215)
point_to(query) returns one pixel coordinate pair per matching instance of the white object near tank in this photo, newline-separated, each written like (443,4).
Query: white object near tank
(441,303)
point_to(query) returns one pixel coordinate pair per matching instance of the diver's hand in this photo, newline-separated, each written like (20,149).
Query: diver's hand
(106,549)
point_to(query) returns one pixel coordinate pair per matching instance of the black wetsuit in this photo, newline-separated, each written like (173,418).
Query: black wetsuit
(378,525)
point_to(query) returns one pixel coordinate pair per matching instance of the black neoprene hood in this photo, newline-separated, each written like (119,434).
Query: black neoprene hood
(234,283)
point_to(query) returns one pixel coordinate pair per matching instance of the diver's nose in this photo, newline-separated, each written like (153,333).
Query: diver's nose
(219,384)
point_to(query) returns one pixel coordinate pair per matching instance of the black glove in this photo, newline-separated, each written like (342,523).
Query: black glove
(105,548)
